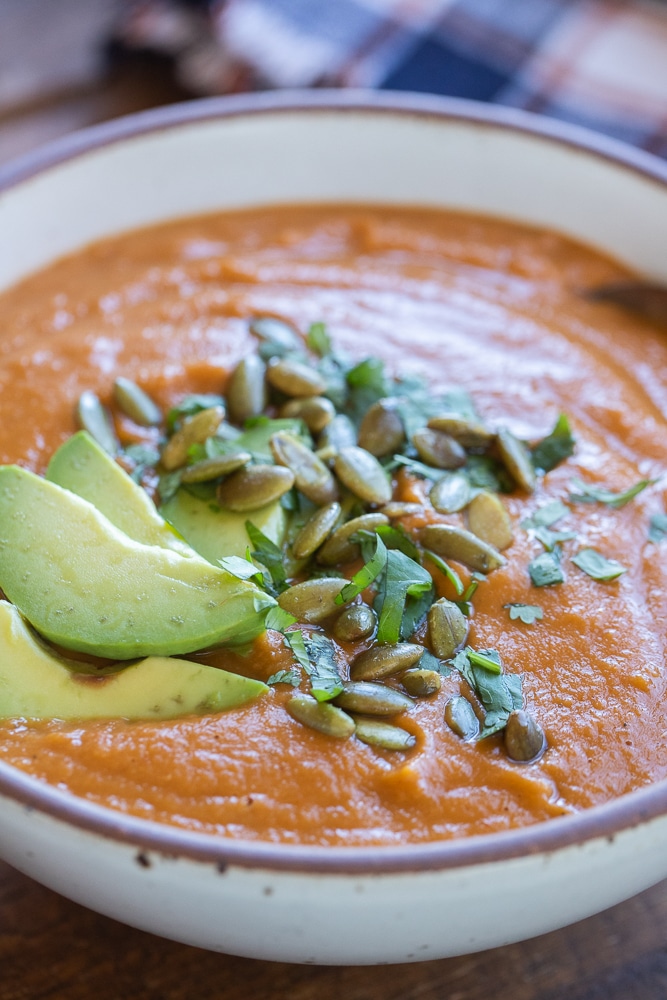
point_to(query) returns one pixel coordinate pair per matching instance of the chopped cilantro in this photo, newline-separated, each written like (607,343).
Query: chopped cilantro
(318,340)
(553,449)
(366,575)
(657,528)
(325,679)
(430,662)
(597,566)
(142,456)
(590,493)
(546,515)
(292,677)
(168,485)
(499,693)
(545,570)
(446,569)
(526,613)
(417,468)
(550,539)
(269,555)
(294,639)
(277,620)
(405,596)
(242,569)
(191,405)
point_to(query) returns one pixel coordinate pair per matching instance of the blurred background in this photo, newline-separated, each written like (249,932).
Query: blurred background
(65,64)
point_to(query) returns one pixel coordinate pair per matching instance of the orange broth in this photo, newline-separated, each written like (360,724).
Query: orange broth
(483,304)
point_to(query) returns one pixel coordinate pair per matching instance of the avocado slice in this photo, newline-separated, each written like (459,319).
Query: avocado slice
(215,532)
(85,585)
(82,466)
(35,683)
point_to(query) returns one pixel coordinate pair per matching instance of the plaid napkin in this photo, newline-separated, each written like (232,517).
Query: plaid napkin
(599,63)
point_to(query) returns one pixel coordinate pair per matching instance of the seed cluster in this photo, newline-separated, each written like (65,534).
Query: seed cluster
(337,435)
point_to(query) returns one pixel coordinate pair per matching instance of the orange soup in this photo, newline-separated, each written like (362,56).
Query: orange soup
(463,303)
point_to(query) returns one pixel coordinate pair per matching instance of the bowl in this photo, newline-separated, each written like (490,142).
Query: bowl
(306,904)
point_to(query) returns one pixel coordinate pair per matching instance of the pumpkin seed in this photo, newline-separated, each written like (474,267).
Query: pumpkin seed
(438,449)
(323,716)
(338,434)
(524,739)
(468,433)
(489,520)
(254,487)
(461,719)
(381,431)
(313,600)
(327,455)
(397,508)
(363,475)
(135,403)
(339,548)
(246,389)
(311,476)
(315,531)
(451,493)
(355,623)
(194,431)
(514,456)
(315,411)
(294,378)
(96,419)
(373,699)
(213,468)
(447,628)
(451,542)
(271,330)
(383,661)
(421,683)
(382,734)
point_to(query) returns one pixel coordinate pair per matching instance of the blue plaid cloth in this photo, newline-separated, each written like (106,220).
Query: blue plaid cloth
(599,63)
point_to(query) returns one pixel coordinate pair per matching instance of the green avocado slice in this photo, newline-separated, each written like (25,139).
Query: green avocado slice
(82,466)
(85,585)
(35,683)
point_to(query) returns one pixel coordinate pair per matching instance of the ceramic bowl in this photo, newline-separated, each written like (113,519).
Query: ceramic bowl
(356,905)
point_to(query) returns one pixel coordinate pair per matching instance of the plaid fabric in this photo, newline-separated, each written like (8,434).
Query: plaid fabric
(599,63)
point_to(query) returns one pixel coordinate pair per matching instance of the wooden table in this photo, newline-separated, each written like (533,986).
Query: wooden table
(52,948)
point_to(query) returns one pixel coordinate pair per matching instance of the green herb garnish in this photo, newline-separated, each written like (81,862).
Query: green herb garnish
(545,570)
(589,493)
(325,679)
(405,596)
(292,677)
(526,613)
(368,573)
(499,693)
(546,515)
(553,449)
(318,340)
(657,528)
(191,405)
(269,555)
(597,566)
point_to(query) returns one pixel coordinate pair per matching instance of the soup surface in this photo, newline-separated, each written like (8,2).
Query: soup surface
(467,302)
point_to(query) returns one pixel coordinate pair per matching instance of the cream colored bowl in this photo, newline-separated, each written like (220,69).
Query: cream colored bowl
(356,905)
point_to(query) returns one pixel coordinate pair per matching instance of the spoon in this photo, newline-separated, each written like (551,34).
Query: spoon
(647,298)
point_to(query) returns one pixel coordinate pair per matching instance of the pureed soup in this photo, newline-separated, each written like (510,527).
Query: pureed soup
(497,655)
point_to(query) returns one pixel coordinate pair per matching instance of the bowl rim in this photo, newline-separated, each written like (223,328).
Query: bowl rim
(605,821)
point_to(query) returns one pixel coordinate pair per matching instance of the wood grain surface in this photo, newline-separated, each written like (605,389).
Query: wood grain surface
(52,948)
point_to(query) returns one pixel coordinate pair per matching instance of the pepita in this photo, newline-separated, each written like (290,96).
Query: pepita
(363,475)
(355,623)
(315,411)
(381,431)
(315,531)
(461,719)
(450,493)
(269,330)
(438,449)
(383,661)
(447,628)
(135,403)
(338,434)
(246,389)
(524,739)
(468,433)
(311,475)
(254,487)
(313,600)
(451,542)
(489,520)
(323,716)
(96,419)
(421,683)
(373,699)
(212,468)
(340,548)
(196,430)
(514,456)
(293,378)
(396,509)
(383,734)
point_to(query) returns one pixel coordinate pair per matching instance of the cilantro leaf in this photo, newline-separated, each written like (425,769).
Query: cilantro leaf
(325,680)
(142,457)
(545,570)
(269,555)
(657,528)
(406,594)
(555,447)
(446,569)
(277,620)
(590,493)
(318,340)
(430,662)
(366,575)
(396,537)
(417,468)
(527,613)
(499,693)
(546,515)
(489,659)
(242,569)
(295,640)
(595,565)
(550,539)
(190,405)
(292,677)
